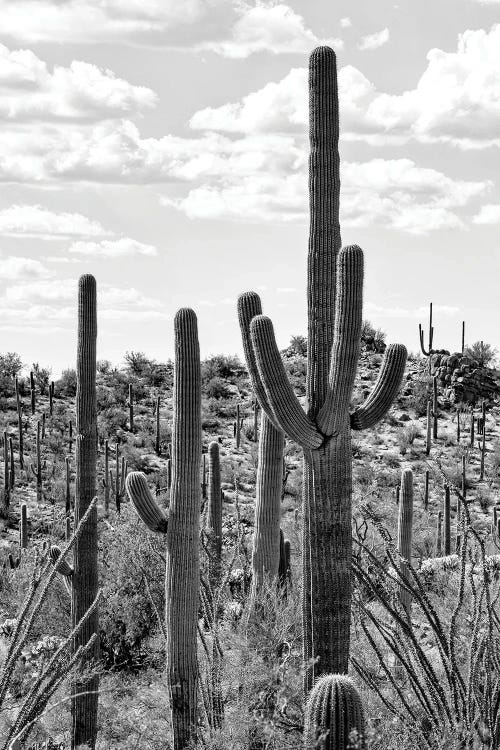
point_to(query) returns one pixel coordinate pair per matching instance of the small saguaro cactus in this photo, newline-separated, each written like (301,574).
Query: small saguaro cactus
(237,426)
(32,393)
(334,717)
(405,530)
(482,441)
(23,527)
(12,471)
(20,436)
(6,473)
(106,480)
(447,521)
(204,477)
(439,534)
(426,489)
(70,438)
(67,498)
(429,429)
(323,430)
(63,567)
(158,434)
(435,405)
(37,471)
(471,431)
(458,413)
(284,568)
(214,515)
(182,531)
(51,398)
(85,582)
(130,403)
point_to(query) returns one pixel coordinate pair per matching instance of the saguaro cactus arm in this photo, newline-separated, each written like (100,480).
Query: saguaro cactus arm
(249,306)
(284,403)
(146,506)
(388,384)
(346,340)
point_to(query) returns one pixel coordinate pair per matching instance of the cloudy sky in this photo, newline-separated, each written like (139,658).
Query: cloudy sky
(162,146)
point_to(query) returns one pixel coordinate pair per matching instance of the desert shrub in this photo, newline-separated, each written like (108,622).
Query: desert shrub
(219,366)
(66,385)
(41,376)
(482,354)
(216,388)
(373,338)
(421,392)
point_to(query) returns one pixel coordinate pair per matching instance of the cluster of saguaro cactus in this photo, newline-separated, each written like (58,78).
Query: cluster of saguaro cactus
(130,404)
(335,280)
(182,530)
(114,484)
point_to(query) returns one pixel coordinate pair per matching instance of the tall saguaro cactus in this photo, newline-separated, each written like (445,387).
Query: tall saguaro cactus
(85,583)
(334,300)
(182,530)
(405,533)
(214,515)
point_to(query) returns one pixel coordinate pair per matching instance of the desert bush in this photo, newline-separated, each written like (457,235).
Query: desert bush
(216,388)
(66,385)
(421,392)
(482,354)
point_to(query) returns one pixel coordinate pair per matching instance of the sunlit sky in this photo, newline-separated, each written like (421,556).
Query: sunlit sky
(162,146)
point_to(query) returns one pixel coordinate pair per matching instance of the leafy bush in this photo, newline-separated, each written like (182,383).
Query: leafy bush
(481,353)
(217,388)
(66,385)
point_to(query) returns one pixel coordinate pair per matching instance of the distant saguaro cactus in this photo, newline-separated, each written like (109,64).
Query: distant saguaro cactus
(214,515)
(405,532)
(334,281)
(85,582)
(182,530)
(334,717)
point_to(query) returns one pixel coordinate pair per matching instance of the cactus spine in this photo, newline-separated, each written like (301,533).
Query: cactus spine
(182,530)
(335,280)
(333,714)
(405,528)
(85,583)
(214,517)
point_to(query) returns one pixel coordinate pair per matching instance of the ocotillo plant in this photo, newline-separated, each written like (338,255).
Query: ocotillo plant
(335,280)
(214,516)
(182,529)
(405,530)
(334,715)
(85,583)
(20,426)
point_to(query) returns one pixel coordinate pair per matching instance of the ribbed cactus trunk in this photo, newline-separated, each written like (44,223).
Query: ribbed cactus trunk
(214,515)
(85,583)
(405,534)
(334,717)
(334,301)
(182,569)
(266,538)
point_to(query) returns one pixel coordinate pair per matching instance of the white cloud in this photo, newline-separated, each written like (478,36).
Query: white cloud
(274,28)
(123,247)
(14,267)
(374,41)
(36,221)
(345,22)
(233,28)
(488,214)
(392,193)
(455,101)
(30,91)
